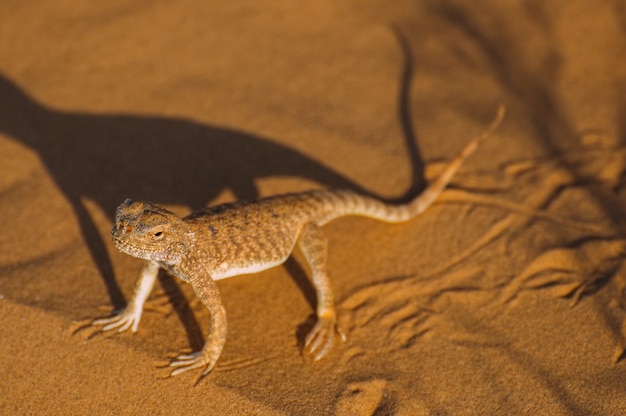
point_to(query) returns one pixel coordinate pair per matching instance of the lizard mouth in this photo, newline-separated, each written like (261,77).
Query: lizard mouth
(125,247)
(146,253)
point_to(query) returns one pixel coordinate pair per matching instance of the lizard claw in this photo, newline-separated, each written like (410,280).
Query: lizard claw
(321,339)
(187,362)
(127,318)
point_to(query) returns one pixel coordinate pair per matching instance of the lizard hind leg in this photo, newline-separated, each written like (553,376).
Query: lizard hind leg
(321,339)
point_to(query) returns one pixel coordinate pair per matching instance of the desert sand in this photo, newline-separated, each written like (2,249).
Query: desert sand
(505,297)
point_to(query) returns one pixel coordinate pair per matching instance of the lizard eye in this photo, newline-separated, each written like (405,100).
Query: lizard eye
(158,235)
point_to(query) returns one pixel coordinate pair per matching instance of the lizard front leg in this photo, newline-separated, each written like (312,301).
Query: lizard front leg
(321,338)
(131,315)
(208,293)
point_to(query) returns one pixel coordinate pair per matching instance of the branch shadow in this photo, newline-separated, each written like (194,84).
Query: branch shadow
(532,89)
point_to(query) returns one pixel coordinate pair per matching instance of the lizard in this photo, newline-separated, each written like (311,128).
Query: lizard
(237,238)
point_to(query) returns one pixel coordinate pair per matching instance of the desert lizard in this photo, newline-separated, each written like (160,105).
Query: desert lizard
(247,237)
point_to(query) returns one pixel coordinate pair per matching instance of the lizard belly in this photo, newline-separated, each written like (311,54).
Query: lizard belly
(226,270)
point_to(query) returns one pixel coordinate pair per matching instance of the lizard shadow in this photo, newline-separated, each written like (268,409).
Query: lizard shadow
(105,158)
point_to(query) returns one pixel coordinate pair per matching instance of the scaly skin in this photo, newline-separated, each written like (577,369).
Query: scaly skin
(248,237)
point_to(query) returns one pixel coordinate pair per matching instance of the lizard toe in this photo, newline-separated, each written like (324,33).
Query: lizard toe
(193,361)
(321,339)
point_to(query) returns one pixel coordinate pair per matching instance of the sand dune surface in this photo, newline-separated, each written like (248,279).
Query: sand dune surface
(505,297)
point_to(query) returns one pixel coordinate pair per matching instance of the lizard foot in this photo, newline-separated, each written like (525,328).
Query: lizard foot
(201,359)
(321,339)
(127,318)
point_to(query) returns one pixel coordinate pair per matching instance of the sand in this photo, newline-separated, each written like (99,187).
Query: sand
(506,297)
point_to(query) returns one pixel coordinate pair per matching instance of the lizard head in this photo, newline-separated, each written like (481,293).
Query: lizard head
(150,232)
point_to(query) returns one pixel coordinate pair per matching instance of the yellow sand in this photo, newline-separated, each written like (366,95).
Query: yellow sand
(506,297)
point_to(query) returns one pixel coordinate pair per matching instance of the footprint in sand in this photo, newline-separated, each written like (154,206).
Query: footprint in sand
(362,398)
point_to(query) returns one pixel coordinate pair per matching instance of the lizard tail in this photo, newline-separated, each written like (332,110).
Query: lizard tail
(351,203)
(430,194)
